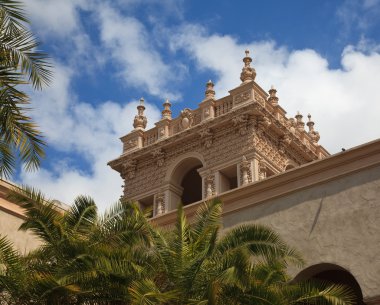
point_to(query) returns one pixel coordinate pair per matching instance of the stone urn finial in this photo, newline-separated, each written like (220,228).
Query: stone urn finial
(312,133)
(248,73)
(273,99)
(140,120)
(299,123)
(210,92)
(166,113)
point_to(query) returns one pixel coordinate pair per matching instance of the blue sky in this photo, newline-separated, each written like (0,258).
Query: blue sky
(322,56)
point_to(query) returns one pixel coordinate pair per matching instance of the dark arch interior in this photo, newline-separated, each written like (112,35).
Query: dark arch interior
(335,275)
(192,186)
(342,277)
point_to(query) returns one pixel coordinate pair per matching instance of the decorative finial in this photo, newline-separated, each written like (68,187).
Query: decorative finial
(273,99)
(140,120)
(166,113)
(299,123)
(209,93)
(248,73)
(312,133)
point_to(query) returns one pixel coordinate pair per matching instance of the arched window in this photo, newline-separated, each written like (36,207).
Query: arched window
(185,178)
(192,186)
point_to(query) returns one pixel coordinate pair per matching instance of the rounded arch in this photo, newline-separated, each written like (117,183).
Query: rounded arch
(334,274)
(290,164)
(183,174)
(183,164)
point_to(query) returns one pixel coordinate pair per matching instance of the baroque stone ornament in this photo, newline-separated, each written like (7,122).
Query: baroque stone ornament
(159,155)
(187,119)
(243,97)
(240,122)
(245,171)
(263,124)
(140,120)
(262,170)
(206,137)
(160,204)
(130,144)
(284,142)
(210,186)
(248,73)
(129,169)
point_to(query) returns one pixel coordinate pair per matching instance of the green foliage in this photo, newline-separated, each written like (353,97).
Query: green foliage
(121,258)
(20,64)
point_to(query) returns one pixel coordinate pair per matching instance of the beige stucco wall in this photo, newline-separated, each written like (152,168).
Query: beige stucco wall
(9,225)
(335,222)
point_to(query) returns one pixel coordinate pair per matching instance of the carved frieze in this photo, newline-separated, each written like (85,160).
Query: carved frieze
(129,169)
(206,137)
(242,97)
(263,124)
(130,144)
(240,122)
(284,142)
(159,155)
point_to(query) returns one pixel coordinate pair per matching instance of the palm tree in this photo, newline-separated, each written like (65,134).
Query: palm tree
(84,258)
(20,64)
(197,263)
(121,258)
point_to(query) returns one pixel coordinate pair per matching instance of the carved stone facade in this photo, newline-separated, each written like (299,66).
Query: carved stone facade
(225,143)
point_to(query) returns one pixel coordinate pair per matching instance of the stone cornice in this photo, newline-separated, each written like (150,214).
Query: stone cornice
(308,175)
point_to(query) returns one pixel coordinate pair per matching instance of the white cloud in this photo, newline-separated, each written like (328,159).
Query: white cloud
(93,132)
(55,17)
(130,46)
(344,102)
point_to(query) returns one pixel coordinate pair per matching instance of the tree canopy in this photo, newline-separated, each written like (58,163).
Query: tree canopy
(122,258)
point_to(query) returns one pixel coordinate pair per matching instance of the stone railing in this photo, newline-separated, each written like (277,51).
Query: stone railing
(210,108)
(223,106)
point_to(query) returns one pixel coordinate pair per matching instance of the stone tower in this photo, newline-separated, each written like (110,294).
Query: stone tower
(224,144)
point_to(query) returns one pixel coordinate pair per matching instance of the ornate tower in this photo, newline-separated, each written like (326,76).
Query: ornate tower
(224,144)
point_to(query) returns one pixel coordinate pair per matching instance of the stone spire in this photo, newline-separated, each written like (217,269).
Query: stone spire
(273,99)
(248,73)
(140,119)
(299,123)
(166,113)
(209,93)
(312,133)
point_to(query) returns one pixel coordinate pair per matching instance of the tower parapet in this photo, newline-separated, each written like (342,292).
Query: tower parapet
(224,144)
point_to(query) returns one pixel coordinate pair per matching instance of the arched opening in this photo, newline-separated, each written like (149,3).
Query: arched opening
(289,166)
(335,275)
(185,176)
(192,186)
